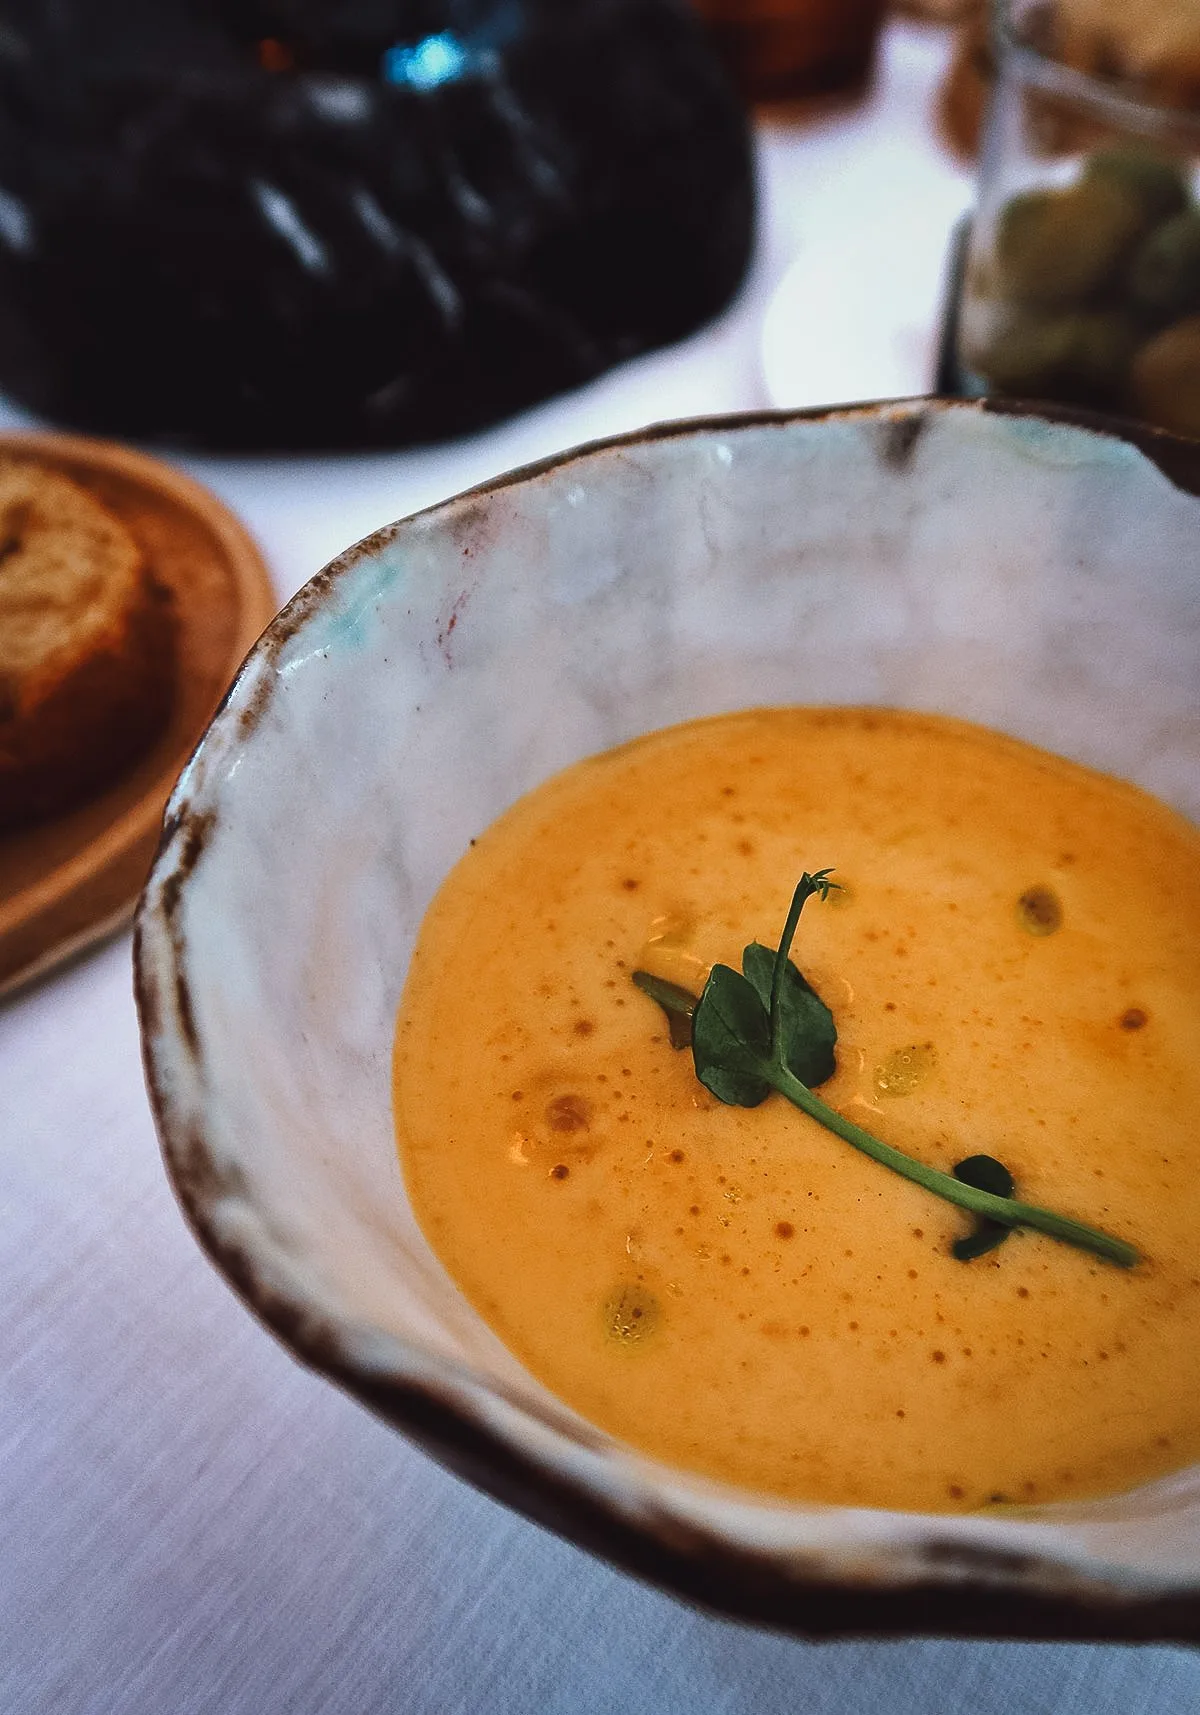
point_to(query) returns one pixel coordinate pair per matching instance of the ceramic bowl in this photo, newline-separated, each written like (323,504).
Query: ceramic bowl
(1027,573)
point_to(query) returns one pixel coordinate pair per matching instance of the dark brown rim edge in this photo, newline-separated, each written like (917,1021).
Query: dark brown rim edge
(971,1592)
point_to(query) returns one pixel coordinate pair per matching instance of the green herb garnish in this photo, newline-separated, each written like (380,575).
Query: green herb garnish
(676,1002)
(986,1174)
(766,1029)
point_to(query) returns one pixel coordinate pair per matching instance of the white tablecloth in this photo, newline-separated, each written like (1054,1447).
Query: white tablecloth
(191,1524)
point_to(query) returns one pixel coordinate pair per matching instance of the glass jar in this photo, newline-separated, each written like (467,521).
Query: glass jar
(1081,280)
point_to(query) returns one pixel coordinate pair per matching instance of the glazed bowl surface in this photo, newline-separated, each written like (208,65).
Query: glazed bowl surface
(1040,576)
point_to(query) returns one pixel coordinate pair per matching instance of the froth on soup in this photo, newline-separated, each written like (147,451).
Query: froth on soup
(1014,969)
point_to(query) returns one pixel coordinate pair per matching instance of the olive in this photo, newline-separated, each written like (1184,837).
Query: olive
(1165,378)
(1056,248)
(1158,187)
(1081,356)
(1164,274)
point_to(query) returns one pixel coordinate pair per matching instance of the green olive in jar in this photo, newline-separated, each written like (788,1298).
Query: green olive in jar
(1101,346)
(1157,187)
(1164,274)
(1055,248)
(1165,378)
(1082,357)
(1025,357)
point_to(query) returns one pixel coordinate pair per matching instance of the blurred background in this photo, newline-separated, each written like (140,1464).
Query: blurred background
(292,225)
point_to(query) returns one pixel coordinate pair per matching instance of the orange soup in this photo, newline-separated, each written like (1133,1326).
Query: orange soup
(1013,966)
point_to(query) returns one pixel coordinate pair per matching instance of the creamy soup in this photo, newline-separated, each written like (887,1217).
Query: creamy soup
(1013,966)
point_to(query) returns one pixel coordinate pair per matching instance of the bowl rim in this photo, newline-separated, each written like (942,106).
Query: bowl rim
(961,1589)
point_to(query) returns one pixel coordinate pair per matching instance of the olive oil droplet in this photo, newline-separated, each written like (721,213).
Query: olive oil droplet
(630,1314)
(905,1069)
(1039,911)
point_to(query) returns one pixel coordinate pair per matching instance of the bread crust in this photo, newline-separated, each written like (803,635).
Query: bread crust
(87,682)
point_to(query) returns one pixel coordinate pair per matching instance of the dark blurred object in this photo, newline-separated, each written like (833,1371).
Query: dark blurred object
(934,11)
(788,50)
(352,222)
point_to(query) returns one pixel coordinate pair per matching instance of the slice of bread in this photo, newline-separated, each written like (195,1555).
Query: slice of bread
(86,645)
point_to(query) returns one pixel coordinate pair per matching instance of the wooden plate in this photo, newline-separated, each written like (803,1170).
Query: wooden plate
(73,880)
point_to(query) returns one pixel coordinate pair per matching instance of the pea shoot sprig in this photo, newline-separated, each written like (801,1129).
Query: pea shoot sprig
(766,1029)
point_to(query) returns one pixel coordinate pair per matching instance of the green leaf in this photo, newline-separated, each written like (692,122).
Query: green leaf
(807,1032)
(678,1004)
(985,1173)
(731,1040)
(987,1236)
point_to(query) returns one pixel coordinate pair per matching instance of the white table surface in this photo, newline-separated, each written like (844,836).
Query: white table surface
(190,1524)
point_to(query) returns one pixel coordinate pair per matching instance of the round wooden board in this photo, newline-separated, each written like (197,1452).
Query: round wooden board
(77,878)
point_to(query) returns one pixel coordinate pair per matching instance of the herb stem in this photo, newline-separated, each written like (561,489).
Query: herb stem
(805,888)
(1004,1209)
